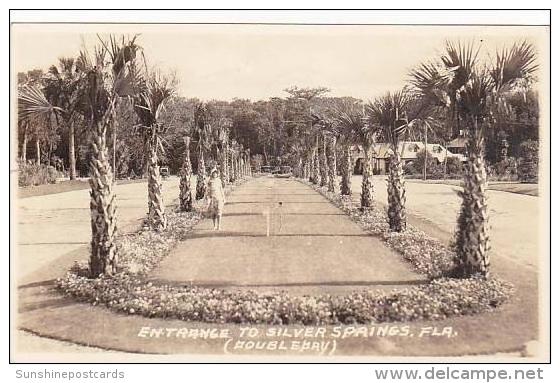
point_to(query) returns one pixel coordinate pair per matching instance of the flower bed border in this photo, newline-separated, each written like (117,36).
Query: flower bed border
(129,292)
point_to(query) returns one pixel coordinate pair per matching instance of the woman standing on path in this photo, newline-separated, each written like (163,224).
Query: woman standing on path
(216,198)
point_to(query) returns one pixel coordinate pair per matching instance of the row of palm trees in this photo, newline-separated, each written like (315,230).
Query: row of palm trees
(116,71)
(230,158)
(470,93)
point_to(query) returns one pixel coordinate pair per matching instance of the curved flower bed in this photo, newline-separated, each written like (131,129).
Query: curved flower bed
(438,300)
(129,292)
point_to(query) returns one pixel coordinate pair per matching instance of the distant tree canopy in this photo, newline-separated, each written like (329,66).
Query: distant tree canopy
(272,128)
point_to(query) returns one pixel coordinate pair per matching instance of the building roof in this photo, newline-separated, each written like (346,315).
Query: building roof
(407,149)
(459,142)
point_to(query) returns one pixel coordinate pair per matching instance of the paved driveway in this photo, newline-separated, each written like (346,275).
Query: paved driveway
(53,225)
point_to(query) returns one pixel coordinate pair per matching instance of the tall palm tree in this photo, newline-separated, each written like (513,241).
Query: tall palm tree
(64,87)
(344,135)
(108,75)
(185,193)
(474,93)
(328,132)
(155,90)
(323,161)
(233,160)
(389,112)
(34,108)
(351,117)
(203,132)
(315,162)
(221,130)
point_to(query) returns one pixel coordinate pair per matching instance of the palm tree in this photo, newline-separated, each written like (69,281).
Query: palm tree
(240,151)
(389,112)
(315,163)
(33,107)
(203,132)
(351,117)
(64,87)
(155,90)
(185,193)
(474,93)
(233,161)
(221,129)
(345,137)
(106,80)
(328,132)
(323,161)
(249,168)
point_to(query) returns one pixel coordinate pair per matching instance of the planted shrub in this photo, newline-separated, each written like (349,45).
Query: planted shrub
(528,169)
(505,170)
(454,167)
(434,169)
(31,174)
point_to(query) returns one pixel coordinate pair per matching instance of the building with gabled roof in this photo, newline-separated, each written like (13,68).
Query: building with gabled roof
(408,150)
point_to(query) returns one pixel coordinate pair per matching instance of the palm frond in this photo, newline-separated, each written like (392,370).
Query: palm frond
(353,123)
(460,58)
(473,98)
(389,112)
(432,81)
(514,64)
(32,103)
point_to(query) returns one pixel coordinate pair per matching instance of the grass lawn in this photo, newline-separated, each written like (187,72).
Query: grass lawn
(65,186)
(515,187)
(510,187)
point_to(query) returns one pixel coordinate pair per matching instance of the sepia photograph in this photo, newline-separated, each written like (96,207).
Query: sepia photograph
(203,189)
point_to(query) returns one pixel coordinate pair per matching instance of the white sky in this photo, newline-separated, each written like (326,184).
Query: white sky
(258,61)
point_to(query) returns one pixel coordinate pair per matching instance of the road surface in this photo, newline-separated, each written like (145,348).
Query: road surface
(514,218)
(52,225)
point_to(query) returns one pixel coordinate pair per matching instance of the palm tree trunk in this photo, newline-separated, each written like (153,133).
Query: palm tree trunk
(425,151)
(49,154)
(103,207)
(185,193)
(445,160)
(332,165)
(396,198)
(472,241)
(72,151)
(231,167)
(367,185)
(311,161)
(324,163)
(346,181)
(249,168)
(156,213)
(201,175)
(236,175)
(226,161)
(316,176)
(38,150)
(223,160)
(24,144)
